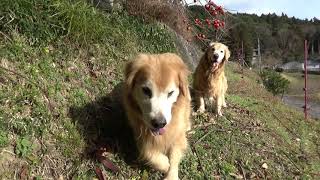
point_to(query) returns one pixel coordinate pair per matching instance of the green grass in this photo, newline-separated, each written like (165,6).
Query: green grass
(61,62)
(58,55)
(257,128)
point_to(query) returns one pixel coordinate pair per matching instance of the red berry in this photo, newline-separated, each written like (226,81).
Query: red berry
(207,6)
(216,23)
(198,22)
(218,8)
(214,13)
(208,21)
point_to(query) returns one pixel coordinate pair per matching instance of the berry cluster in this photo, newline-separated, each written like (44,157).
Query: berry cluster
(214,11)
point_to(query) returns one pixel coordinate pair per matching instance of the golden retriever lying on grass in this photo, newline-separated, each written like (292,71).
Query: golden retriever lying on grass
(157,103)
(209,79)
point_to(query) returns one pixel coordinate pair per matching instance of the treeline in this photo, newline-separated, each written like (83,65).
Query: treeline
(281,37)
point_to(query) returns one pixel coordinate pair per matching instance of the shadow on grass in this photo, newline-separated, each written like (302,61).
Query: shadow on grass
(103,124)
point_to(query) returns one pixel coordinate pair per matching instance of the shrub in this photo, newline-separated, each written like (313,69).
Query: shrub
(274,82)
(172,14)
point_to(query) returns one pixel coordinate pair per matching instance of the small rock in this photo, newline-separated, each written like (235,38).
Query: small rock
(264,166)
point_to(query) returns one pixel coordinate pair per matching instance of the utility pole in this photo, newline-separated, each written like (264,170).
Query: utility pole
(259,54)
(312,47)
(242,54)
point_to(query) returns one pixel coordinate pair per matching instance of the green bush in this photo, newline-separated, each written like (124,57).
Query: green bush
(274,82)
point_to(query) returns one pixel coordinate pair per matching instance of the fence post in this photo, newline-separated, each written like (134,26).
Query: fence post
(305,79)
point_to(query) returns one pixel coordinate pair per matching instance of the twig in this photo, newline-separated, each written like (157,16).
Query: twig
(204,125)
(242,170)
(202,168)
(199,140)
(295,165)
(3,34)
(9,152)
(205,135)
(315,174)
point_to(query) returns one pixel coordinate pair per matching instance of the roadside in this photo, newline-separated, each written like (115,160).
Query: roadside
(295,96)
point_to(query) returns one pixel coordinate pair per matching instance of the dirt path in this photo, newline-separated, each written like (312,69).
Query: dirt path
(298,103)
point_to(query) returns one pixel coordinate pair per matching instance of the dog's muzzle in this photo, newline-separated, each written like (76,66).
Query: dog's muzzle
(215,57)
(158,124)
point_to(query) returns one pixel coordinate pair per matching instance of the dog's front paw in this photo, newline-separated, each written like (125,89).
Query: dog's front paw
(219,113)
(171,176)
(163,165)
(224,105)
(159,162)
(201,110)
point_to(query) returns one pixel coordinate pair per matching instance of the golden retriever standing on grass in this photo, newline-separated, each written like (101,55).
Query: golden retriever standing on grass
(209,78)
(157,103)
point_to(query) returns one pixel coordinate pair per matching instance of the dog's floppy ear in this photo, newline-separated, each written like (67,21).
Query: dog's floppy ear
(131,69)
(211,44)
(129,74)
(227,54)
(183,80)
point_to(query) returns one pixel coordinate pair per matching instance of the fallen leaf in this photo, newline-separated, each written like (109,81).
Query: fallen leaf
(98,172)
(24,172)
(107,163)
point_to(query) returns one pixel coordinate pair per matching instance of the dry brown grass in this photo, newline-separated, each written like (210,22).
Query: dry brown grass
(172,14)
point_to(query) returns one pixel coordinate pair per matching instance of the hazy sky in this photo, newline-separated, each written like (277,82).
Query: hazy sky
(298,8)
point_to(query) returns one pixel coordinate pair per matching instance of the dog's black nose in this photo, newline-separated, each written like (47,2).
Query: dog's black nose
(158,122)
(215,56)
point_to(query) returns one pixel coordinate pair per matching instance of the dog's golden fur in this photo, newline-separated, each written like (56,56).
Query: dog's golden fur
(163,152)
(210,80)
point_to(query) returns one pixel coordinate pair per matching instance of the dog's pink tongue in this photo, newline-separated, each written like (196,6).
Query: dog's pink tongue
(161,131)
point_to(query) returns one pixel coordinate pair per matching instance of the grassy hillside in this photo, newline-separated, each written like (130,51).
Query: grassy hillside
(56,55)
(61,64)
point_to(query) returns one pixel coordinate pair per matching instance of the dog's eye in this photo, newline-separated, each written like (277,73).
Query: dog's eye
(170,94)
(147,91)
(221,51)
